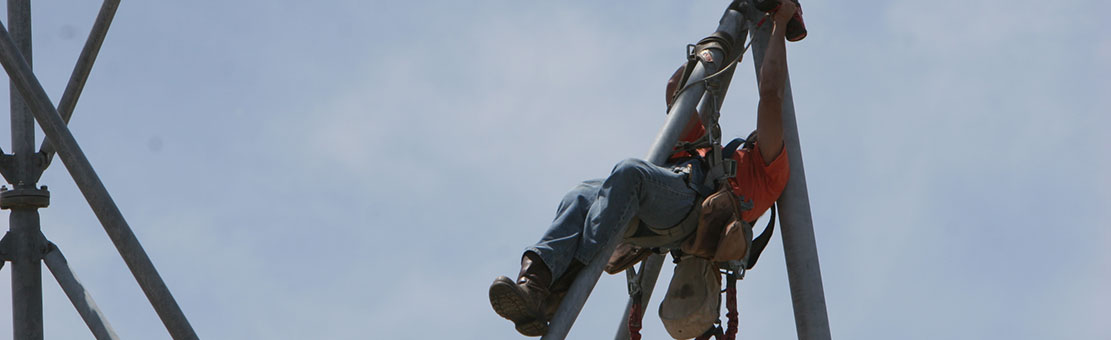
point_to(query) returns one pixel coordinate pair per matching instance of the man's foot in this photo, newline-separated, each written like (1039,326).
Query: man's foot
(523,301)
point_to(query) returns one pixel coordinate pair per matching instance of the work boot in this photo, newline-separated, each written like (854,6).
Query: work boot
(523,301)
(796,29)
(560,287)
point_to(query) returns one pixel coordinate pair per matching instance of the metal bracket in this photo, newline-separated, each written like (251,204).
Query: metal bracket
(39,241)
(736,269)
(5,249)
(730,166)
(24,198)
(7,167)
(633,281)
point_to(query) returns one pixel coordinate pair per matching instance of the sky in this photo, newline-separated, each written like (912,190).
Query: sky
(364,169)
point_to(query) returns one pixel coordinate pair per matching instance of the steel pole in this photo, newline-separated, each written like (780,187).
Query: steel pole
(77,294)
(80,73)
(26,235)
(681,112)
(799,247)
(94,191)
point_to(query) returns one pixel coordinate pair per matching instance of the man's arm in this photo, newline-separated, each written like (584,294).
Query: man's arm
(773,76)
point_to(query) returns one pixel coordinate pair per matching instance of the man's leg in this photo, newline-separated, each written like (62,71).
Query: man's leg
(655,194)
(559,243)
(588,217)
(523,301)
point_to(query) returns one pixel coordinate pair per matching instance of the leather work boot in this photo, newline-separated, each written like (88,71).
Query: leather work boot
(559,288)
(523,301)
(796,28)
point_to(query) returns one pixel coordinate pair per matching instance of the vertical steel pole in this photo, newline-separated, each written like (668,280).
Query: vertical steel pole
(26,236)
(94,191)
(799,247)
(681,113)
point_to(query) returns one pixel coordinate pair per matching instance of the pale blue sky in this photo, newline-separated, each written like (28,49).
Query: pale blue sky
(364,169)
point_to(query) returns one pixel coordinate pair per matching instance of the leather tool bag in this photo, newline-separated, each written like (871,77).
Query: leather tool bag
(721,235)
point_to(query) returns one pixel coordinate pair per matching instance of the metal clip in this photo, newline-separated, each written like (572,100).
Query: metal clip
(634,281)
(730,167)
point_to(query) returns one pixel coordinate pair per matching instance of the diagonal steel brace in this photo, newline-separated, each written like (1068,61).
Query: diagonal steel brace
(79,76)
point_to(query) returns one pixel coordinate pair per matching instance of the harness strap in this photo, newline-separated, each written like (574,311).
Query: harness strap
(761,241)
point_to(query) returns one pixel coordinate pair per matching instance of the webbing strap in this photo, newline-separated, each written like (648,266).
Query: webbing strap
(761,241)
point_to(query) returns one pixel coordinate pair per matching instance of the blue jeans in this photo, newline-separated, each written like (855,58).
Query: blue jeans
(594,211)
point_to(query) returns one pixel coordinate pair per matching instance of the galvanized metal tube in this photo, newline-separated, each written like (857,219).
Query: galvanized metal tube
(80,73)
(799,247)
(23,124)
(24,221)
(77,294)
(26,252)
(681,112)
(94,191)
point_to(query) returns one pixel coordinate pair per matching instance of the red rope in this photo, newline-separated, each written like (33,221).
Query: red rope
(766,15)
(731,306)
(634,321)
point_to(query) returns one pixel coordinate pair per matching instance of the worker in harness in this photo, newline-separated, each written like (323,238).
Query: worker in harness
(595,210)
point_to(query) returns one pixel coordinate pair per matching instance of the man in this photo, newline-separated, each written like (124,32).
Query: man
(594,211)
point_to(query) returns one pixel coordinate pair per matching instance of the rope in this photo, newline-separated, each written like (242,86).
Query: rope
(635,317)
(731,306)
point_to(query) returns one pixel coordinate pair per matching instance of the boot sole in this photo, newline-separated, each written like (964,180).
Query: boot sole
(513,307)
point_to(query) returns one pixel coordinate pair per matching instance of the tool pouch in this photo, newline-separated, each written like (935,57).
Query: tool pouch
(693,298)
(719,225)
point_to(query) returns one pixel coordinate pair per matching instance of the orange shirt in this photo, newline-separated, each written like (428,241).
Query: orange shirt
(757,182)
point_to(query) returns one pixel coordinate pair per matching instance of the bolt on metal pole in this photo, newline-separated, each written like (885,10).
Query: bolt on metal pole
(797,226)
(25,232)
(681,113)
(94,191)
